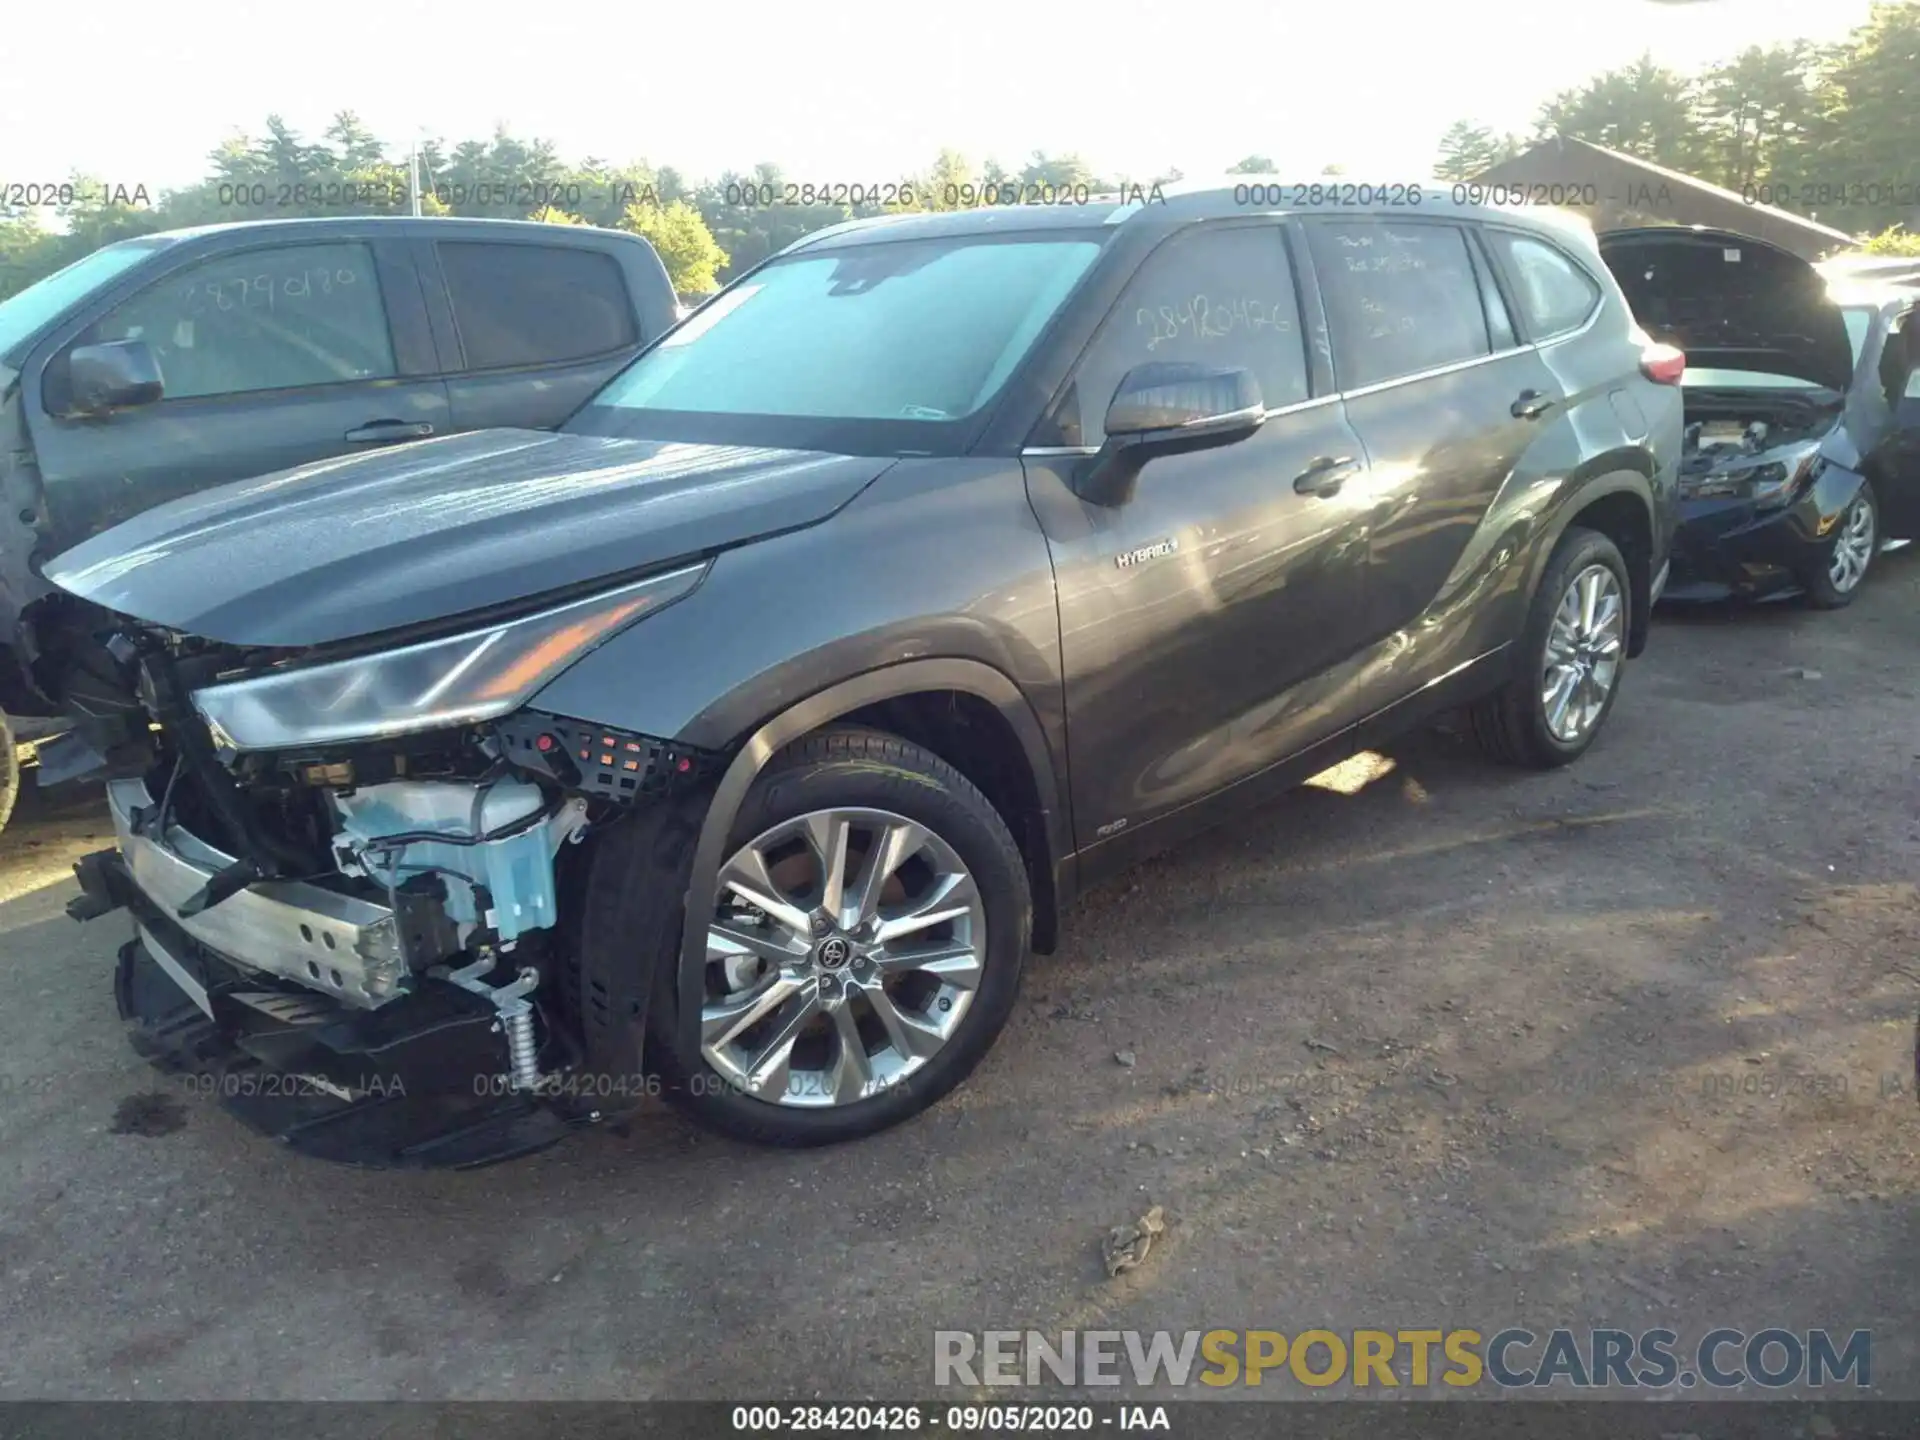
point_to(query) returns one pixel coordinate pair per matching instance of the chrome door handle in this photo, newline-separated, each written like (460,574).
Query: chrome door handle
(376,431)
(1325,476)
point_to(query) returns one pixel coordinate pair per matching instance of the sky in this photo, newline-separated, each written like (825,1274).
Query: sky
(853,92)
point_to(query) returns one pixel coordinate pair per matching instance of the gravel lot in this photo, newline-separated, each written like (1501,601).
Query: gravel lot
(1463,1047)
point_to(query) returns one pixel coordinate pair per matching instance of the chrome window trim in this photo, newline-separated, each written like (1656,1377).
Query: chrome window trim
(1297,406)
(1574,334)
(1433,371)
(1055,452)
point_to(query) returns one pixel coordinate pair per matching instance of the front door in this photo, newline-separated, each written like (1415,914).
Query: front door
(1192,614)
(271,357)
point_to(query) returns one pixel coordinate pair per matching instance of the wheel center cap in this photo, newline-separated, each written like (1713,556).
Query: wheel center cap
(833,953)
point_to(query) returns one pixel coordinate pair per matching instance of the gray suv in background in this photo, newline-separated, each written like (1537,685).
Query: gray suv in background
(740,739)
(162,365)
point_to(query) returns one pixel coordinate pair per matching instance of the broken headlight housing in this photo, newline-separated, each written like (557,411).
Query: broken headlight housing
(1768,482)
(476,675)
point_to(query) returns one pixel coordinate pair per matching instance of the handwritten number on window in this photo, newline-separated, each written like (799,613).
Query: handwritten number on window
(1206,318)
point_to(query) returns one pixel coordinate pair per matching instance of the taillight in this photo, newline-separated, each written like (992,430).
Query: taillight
(1663,364)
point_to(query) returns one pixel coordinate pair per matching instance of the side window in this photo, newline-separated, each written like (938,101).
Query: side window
(1553,292)
(269,319)
(1499,323)
(535,304)
(1400,298)
(1901,343)
(1214,297)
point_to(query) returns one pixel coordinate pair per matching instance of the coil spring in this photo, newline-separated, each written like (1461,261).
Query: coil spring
(523,1059)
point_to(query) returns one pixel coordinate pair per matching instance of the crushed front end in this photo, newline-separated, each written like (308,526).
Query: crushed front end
(1758,494)
(361,942)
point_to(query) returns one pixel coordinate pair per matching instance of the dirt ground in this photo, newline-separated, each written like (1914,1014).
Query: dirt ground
(1463,1047)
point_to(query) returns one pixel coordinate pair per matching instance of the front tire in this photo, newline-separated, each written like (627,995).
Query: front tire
(1834,581)
(1573,654)
(870,926)
(9,770)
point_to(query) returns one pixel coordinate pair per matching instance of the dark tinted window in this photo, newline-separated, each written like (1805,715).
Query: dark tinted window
(260,320)
(1499,322)
(1898,375)
(535,304)
(1553,292)
(1215,297)
(1401,297)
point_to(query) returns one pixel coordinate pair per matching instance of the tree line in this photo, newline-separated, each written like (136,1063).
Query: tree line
(1792,117)
(1774,123)
(704,231)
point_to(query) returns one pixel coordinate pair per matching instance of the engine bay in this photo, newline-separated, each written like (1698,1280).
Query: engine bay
(1747,431)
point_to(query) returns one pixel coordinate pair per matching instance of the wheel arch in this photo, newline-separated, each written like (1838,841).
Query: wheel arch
(872,697)
(1618,503)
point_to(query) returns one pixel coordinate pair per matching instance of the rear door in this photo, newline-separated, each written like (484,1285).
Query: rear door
(528,330)
(1440,388)
(272,355)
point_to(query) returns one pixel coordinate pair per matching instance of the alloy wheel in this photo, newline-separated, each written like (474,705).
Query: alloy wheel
(1853,546)
(1584,648)
(845,949)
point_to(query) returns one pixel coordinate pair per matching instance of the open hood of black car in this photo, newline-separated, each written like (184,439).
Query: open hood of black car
(420,533)
(1731,302)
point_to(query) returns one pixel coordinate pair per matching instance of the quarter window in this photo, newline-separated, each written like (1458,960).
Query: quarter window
(1400,298)
(535,304)
(1554,293)
(1214,297)
(260,320)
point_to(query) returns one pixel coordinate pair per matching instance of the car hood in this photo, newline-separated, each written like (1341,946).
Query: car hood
(350,547)
(1731,302)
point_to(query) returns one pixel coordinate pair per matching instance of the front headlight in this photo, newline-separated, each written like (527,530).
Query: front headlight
(478,675)
(1772,482)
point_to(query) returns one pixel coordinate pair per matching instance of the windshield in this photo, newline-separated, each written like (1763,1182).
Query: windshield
(24,315)
(919,333)
(1858,318)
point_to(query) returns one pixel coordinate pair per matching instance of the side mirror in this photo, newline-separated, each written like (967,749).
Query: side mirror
(115,376)
(1168,408)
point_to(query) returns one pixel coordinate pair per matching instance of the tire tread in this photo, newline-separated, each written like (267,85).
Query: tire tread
(903,763)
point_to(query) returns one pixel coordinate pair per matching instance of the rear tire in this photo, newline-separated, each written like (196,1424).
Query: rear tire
(859,794)
(1836,578)
(9,770)
(1528,721)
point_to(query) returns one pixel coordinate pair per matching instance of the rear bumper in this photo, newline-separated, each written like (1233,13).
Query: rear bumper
(1728,547)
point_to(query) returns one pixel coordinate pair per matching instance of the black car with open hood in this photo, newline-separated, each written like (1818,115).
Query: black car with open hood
(1801,455)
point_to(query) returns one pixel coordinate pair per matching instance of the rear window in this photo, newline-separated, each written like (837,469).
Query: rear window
(1400,298)
(535,304)
(1553,293)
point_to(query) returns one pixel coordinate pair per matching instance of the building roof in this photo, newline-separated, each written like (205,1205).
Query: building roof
(1617,189)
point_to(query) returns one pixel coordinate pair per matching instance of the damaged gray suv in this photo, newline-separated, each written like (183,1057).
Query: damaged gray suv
(737,742)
